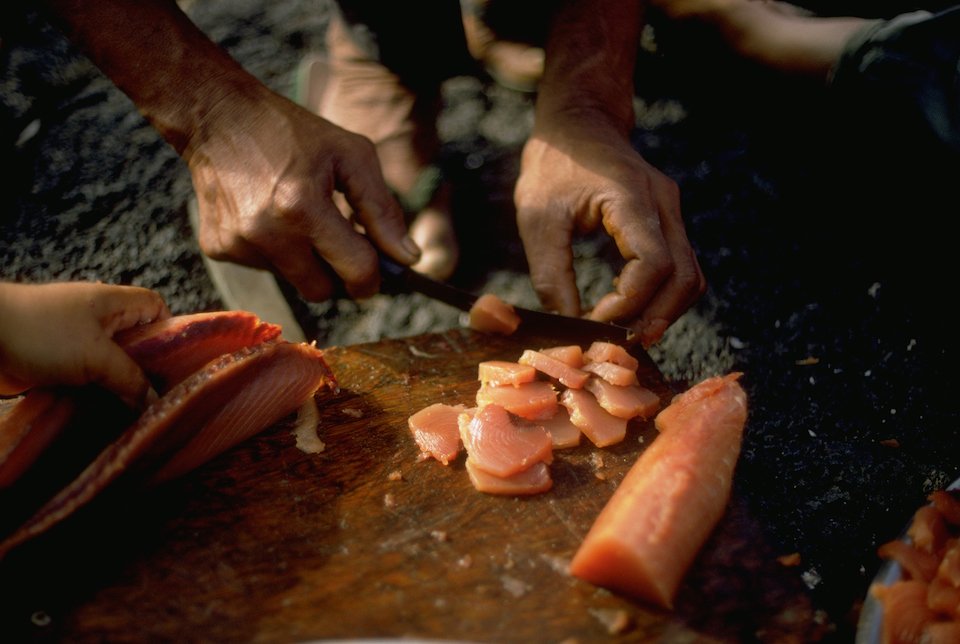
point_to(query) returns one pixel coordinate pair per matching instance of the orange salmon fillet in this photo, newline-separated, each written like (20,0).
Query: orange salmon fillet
(555,368)
(532,400)
(532,480)
(563,432)
(648,534)
(613,373)
(499,446)
(571,355)
(500,372)
(437,431)
(609,352)
(601,427)
(624,402)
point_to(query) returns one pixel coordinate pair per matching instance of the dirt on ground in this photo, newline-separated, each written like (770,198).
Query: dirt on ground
(817,224)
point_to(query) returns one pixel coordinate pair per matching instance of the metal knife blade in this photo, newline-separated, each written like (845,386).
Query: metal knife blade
(396,278)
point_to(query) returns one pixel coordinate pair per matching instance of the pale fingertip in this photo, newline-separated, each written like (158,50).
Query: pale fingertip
(151,397)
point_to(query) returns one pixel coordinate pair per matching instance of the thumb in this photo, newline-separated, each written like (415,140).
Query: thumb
(114,370)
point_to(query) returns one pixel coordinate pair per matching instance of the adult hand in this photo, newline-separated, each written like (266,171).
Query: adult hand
(62,334)
(265,175)
(578,175)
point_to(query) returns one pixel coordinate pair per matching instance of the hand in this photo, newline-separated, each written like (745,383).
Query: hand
(265,175)
(62,334)
(577,176)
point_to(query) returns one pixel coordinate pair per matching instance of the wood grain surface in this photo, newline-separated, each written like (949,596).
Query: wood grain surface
(270,544)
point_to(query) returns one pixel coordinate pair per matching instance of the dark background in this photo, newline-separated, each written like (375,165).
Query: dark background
(823,229)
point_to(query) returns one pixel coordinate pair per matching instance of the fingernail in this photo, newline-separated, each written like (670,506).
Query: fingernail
(411,247)
(151,397)
(652,330)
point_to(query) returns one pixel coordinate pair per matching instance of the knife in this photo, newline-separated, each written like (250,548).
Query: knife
(395,279)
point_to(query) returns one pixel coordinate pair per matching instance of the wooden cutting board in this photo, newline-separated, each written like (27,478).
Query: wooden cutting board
(362,540)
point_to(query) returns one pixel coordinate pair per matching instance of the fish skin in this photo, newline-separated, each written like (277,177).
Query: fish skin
(163,442)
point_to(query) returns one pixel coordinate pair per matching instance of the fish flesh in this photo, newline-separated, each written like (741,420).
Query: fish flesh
(648,534)
(227,401)
(562,432)
(601,427)
(601,351)
(436,431)
(170,350)
(498,445)
(624,402)
(570,354)
(532,400)
(500,372)
(490,314)
(167,350)
(613,373)
(555,368)
(533,480)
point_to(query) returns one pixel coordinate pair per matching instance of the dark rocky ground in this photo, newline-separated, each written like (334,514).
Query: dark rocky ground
(819,229)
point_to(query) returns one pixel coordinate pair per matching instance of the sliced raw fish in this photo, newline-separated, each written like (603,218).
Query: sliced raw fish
(567,375)
(533,480)
(532,400)
(500,372)
(436,431)
(172,349)
(490,314)
(229,400)
(499,445)
(28,428)
(613,373)
(646,537)
(562,432)
(624,402)
(596,423)
(609,352)
(572,354)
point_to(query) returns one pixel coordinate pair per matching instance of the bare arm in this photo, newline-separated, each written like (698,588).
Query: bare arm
(579,171)
(264,169)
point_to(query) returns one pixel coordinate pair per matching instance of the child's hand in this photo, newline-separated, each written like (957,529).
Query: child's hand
(62,334)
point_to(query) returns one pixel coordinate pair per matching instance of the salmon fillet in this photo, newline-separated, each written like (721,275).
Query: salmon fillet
(601,427)
(499,446)
(646,537)
(571,355)
(436,431)
(613,373)
(609,352)
(624,402)
(500,372)
(532,400)
(533,480)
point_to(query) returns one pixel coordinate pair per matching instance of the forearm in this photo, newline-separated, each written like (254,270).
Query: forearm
(590,58)
(177,77)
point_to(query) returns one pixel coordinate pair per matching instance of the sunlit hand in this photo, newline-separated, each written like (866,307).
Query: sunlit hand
(62,334)
(265,178)
(579,176)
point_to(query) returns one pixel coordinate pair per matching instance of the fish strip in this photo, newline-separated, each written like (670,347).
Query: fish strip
(172,349)
(490,314)
(532,400)
(500,372)
(609,352)
(571,355)
(229,400)
(647,536)
(555,368)
(436,430)
(601,427)
(533,480)
(624,402)
(562,432)
(499,446)
(613,373)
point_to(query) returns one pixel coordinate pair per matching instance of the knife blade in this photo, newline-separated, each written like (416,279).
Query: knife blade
(396,278)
